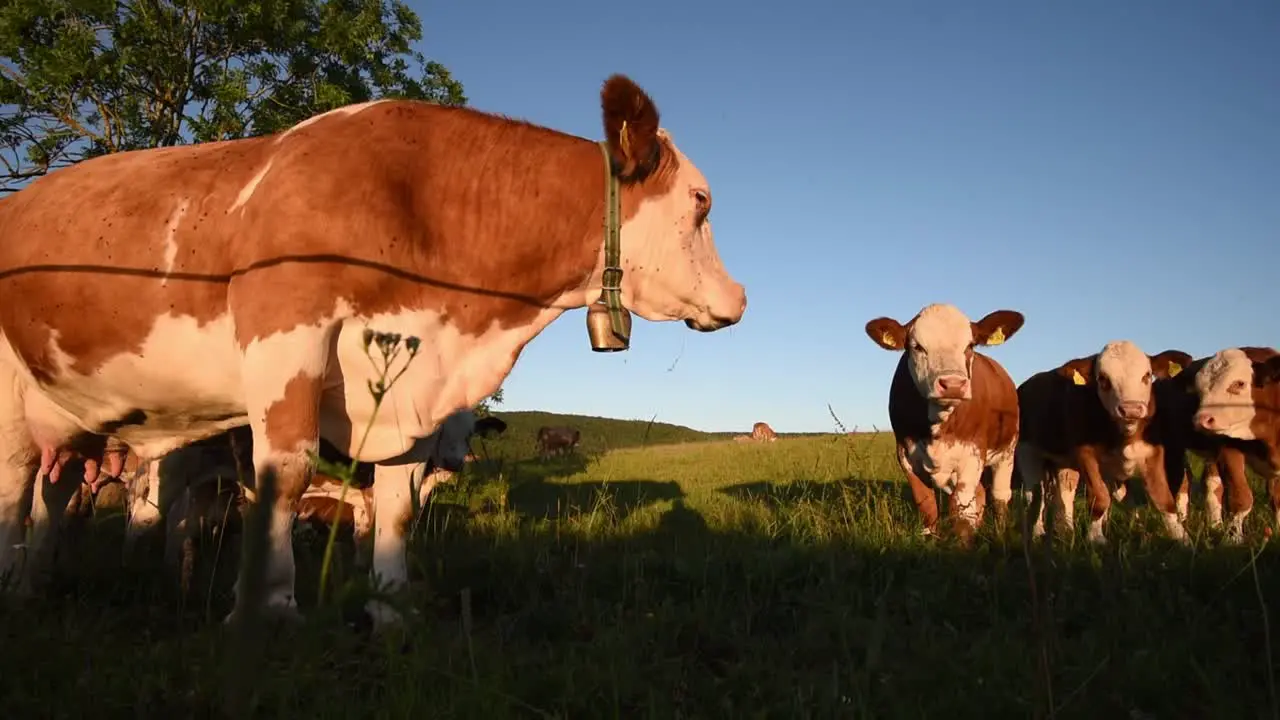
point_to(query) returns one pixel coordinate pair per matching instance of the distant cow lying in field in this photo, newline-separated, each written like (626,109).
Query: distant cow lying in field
(954,411)
(1231,418)
(1097,416)
(557,440)
(761,432)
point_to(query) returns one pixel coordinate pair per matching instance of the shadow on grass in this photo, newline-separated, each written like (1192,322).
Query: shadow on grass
(689,618)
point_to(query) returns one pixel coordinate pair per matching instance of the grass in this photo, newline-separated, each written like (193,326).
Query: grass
(701,579)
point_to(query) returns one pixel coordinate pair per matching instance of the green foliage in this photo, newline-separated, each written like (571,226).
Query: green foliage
(80,78)
(485,407)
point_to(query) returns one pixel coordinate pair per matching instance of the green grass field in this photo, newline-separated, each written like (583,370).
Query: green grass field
(664,573)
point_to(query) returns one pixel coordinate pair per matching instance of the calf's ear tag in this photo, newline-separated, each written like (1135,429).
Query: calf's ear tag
(887,339)
(1077,378)
(996,337)
(1174,369)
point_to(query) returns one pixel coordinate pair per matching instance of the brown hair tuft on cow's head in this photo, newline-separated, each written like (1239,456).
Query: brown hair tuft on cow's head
(887,333)
(997,326)
(630,128)
(1078,371)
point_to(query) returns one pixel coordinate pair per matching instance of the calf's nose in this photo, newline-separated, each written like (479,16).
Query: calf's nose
(1205,421)
(952,385)
(1133,410)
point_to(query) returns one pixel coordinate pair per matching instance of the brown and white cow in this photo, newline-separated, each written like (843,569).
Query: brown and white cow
(954,412)
(1237,398)
(1097,417)
(240,279)
(761,432)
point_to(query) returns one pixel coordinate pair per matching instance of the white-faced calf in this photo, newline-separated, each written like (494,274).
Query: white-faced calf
(1096,416)
(954,411)
(1237,402)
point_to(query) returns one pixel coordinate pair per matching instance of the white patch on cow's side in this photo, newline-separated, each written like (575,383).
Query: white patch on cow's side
(1127,370)
(451,371)
(1233,412)
(671,268)
(936,348)
(344,111)
(187,376)
(171,237)
(246,192)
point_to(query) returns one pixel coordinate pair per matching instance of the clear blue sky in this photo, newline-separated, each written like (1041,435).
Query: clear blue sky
(1109,169)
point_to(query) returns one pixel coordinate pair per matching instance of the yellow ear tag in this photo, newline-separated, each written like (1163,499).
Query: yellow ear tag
(1174,369)
(1076,377)
(624,141)
(996,337)
(887,339)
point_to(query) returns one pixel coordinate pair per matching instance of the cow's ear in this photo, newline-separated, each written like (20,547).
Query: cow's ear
(1078,371)
(1266,372)
(997,327)
(887,333)
(1169,363)
(630,129)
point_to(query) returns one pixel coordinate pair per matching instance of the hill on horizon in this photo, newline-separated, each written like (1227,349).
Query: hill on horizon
(599,434)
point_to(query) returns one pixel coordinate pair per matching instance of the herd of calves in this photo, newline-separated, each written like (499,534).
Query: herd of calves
(1106,417)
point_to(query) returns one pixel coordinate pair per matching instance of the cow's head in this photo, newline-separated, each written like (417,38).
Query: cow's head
(1122,375)
(453,441)
(939,342)
(672,270)
(1232,388)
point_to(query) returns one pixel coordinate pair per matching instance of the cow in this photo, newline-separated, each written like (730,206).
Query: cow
(1233,413)
(1097,417)
(257,274)
(557,440)
(761,432)
(954,411)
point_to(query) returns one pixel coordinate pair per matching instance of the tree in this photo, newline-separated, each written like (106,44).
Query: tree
(80,78)
(485,407)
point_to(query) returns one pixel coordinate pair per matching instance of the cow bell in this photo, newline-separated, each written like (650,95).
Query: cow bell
(603,338)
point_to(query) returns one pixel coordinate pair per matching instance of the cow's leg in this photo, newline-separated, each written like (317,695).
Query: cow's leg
(394,489)
(1002,485)
(1182,496)
(1067,482)
(1273,489)
(363,522)
(283,381)
(1156,479)
(923,495)
(48,512)
(146,511)
(1239,494)
(19,460)
(1035,480)
(968,498)
(1212,481)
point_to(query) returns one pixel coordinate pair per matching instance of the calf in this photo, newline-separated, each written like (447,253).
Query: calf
(761,432)
(1236,394)
(954,412)
(557,440)
(1096,416)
